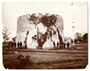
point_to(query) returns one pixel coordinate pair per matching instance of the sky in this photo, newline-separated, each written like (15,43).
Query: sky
(74,14)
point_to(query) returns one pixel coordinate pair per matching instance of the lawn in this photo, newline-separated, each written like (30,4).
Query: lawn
(46,59)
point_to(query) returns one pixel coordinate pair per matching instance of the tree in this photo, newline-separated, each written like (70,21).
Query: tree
(35,18)
(48,21)
(5,34)
(85,37)
(78,37)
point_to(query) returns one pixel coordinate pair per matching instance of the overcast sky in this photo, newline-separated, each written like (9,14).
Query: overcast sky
(71,12)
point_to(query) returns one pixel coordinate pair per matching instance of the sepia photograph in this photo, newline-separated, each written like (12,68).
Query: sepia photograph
(45,35)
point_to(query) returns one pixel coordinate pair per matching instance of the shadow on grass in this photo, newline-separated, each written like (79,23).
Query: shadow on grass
(18,62)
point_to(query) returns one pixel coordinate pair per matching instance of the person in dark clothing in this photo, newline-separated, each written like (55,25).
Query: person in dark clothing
(25,45)
(64,45)
(51,35)
(8,45)
(15,44)
(12,45)
(61,45)
(68,45)
(18,44)
(58,45)
(39,43)
(54,43)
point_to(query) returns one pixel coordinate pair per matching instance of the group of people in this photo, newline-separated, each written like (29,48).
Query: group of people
(49,35)
(12,45)
(61,45)
(19,44)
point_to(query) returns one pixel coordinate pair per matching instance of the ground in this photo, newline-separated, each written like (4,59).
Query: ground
(47,59)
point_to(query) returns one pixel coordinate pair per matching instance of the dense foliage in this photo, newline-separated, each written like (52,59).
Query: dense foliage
(5,34)
(85,37)
(49,20)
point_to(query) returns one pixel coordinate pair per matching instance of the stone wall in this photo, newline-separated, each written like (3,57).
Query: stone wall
(59,25)
(24,24)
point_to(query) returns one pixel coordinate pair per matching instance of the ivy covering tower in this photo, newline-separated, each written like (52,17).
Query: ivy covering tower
(39,27)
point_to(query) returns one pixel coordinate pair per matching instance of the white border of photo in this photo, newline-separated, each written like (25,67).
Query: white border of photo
(1,64)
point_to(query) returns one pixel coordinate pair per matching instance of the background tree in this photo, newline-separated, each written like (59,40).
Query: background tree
(85,37)
(49,21)
(78,37)
(5,34)
(75,41)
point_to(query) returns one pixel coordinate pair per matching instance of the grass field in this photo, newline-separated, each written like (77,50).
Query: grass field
(47,59)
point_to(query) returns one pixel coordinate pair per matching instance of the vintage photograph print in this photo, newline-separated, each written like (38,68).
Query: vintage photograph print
(45,35)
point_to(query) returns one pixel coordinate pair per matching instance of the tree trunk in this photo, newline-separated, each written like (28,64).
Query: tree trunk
(59,36)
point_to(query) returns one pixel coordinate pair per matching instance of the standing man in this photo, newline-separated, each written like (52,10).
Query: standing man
(54,43)
(50,34)
(18,44)
(68,45)
(12,44)
(64,45)
(25,45)
(8,45)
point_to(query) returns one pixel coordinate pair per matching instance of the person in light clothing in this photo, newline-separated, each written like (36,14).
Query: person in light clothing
(55,40)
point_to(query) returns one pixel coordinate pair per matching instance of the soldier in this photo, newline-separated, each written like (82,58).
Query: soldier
(25,45)
(51,35)
(54,43)
(68,45)
(64,45)
(58,44)
(9,45)
(15,44)
(18,44)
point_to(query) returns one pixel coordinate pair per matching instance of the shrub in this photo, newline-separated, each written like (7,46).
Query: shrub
(19,62)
